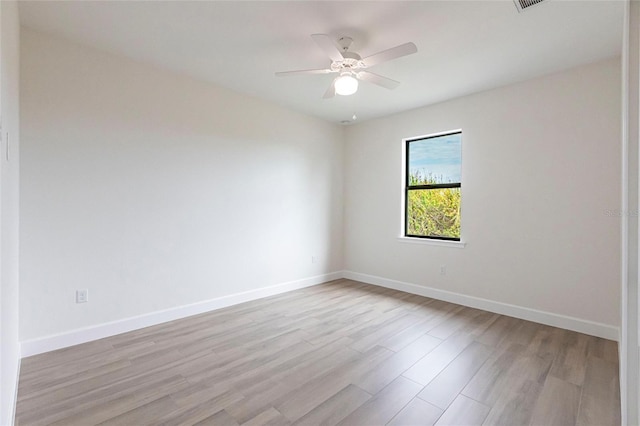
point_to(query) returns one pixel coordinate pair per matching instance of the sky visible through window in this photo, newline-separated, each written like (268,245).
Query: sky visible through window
(439,157)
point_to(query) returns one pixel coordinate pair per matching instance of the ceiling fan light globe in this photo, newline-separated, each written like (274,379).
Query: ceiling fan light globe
(346,85)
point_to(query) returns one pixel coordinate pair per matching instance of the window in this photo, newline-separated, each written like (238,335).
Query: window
(432,186)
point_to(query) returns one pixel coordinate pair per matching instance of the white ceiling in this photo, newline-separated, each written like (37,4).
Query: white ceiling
(463,46)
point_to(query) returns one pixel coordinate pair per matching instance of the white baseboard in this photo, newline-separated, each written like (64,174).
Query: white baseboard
(14,403)
(8,413)
(87,334)
(622,368)
(556,320)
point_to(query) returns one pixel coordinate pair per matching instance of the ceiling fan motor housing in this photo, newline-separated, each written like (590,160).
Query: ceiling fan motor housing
(345,43)
(351,59)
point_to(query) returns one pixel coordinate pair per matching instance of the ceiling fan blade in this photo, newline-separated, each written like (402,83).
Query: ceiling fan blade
(378,79)
(331,91)
(389,54)
(301,72)
(329,47)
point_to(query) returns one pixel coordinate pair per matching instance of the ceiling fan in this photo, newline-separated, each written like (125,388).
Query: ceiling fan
(350,67)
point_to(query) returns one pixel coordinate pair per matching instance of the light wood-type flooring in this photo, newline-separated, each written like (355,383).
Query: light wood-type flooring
(339,353)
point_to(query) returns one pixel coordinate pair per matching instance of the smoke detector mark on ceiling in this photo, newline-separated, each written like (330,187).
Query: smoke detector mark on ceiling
(524,4)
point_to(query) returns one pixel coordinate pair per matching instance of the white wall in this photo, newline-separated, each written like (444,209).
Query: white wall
(630,321)
(9,110)
(154,190)
(541,168)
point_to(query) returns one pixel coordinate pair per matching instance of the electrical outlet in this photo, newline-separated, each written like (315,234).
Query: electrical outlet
(443,270)
(82,296)
(314,259)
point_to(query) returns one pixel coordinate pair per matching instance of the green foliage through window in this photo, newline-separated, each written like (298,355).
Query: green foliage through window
(434,212)
(433,191)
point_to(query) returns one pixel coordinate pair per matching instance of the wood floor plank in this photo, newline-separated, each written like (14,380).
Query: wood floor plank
(63,356)
(264,393)
(297,371)
(497,331)
(488,383)
(602,348)
(417,413)
(139,415)
(464,411)
(547,342)
(381,319)
(557,404)
(263,397)
(522,333)
(85,387)
(276,353)
(343,352)
(600,394)
(400,340)
(204,399)
(336,408)
(270,417)
(373,381)
(520,391)
(571,361)
(102,411)
(442,390)
(58,406)
(300,401)
(219,418)
(457,321)
(383,332)
(60,381)
(435,361)
(384,406)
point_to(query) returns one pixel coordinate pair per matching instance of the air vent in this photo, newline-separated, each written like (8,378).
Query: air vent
(524,4)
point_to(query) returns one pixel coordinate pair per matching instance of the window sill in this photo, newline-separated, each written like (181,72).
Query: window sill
(433,242)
